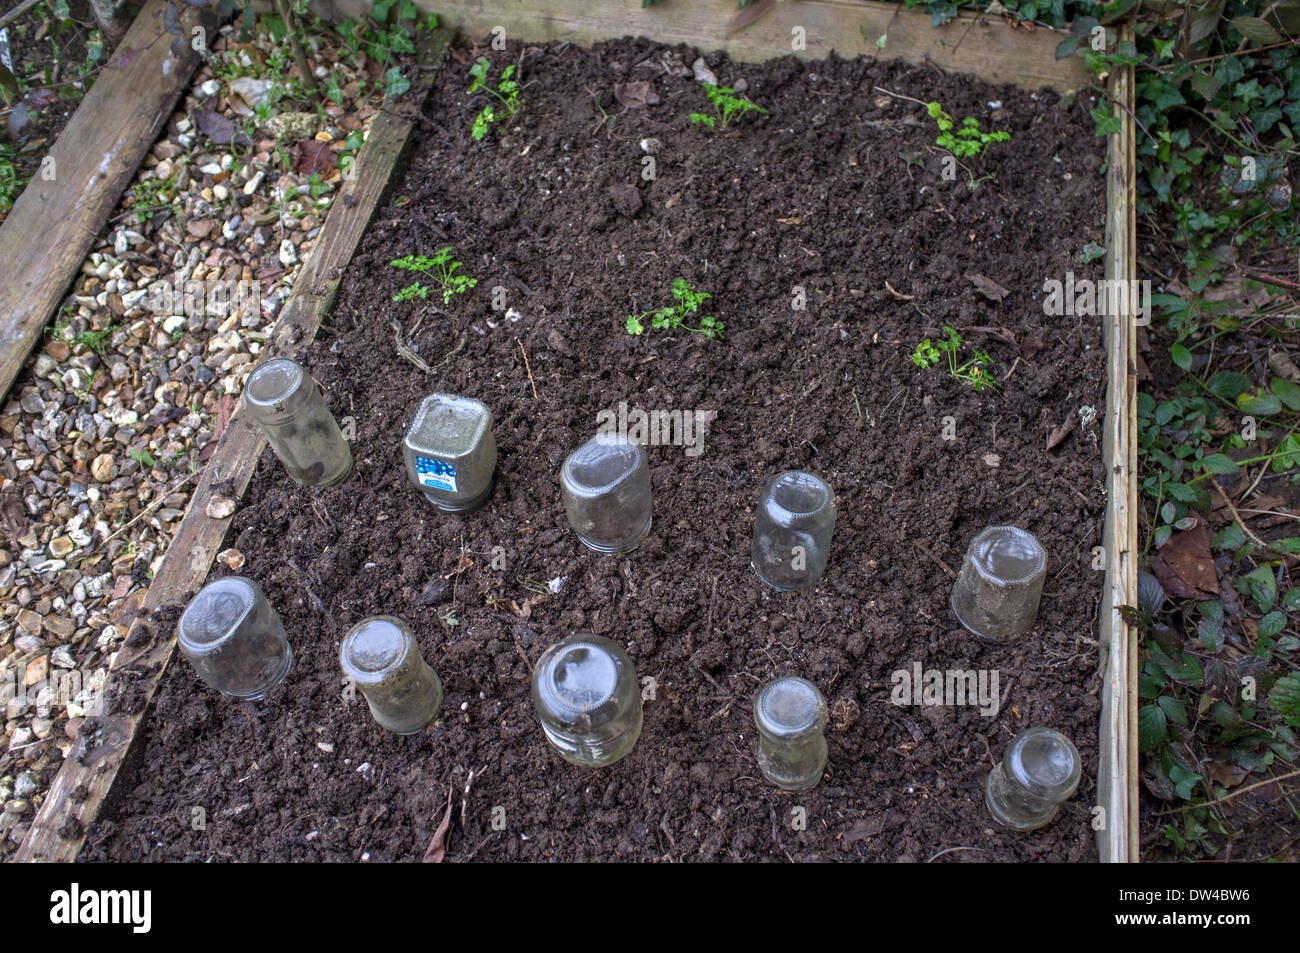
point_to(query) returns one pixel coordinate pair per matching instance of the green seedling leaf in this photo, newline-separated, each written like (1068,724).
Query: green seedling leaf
(1153,729)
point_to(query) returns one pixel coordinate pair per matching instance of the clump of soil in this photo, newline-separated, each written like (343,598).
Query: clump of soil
(837,189)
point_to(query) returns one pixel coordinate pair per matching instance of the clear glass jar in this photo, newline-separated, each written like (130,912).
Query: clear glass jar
(790,714)
(1039,771)
(588,700)
(379,654)
(605,485)
(234,639)
(450,452)
(287,404)
(997,592)
(792,530)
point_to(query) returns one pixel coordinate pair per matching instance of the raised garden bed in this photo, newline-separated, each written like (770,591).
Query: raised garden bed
(835,190)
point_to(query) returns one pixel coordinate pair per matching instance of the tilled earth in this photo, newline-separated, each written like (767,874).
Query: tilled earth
(836,190)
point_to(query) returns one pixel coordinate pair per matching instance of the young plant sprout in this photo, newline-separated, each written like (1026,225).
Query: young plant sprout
(727,107)
(506,93)
(287,404)
(792,530)
(440,269)
(450,452)
(965,141)
(1001,580)
(234,639)
(1039,772)
(381,657)
(605,485)
(674,317)
(790,714)
(974,371)
(588,700)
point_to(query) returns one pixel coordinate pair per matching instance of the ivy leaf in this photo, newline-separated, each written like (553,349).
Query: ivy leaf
(1067,47)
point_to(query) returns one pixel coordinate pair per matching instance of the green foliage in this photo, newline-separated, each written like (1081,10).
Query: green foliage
(673,317)
(727,107)
(506,92)
(973,371)
(967,140)
(440,269)
(10,183)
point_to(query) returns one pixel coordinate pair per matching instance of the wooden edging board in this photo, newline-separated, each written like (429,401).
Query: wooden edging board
(983,46)
(1117,791)
(93,763)
(59,215)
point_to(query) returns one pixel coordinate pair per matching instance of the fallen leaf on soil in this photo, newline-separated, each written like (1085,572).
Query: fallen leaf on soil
(438,846)
(1059,433)
(862,830)
(636,94)
(1226,773)
(987,287)
(1186,558)
(314,156)
(219,129)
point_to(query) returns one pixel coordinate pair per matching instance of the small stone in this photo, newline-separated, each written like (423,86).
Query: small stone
(651,146)
(993,460)
(27,644)
(30,621)
(174,323)
(741,85)
(61,546)
(702,72)
(25,785)
(288,254)
(36,670)
(62,658)
(60,625)
(210,88)
(17,806)
(219,507)
(59,350)
(32,402)
(102,468)
(21,738)
(231,558)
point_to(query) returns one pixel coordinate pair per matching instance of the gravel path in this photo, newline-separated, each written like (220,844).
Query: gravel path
(103,434)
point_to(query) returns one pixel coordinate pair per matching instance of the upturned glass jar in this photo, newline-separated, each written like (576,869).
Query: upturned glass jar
(379,654)
(234,639)
(450,452)
(588,700)
(605,485)
(287,404)
(1039,771)
(997,592)
(790,714)
(792,530)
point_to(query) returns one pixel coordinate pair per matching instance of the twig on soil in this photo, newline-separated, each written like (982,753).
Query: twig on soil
(531,382)
(302,579)
(881,89)
(939,562)
(18,11)
(949,850)
(405,350)
(1235,515)
(464,801)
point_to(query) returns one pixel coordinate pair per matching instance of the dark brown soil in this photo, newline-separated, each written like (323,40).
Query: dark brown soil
(548,213)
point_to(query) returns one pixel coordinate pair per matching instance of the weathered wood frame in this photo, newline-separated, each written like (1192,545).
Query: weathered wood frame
(90,770)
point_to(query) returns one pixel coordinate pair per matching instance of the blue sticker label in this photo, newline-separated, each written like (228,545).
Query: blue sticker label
(435,474)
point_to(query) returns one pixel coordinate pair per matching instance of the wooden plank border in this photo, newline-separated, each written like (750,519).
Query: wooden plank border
(94,762)
(56,220)
(980,45)
(1117,781)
